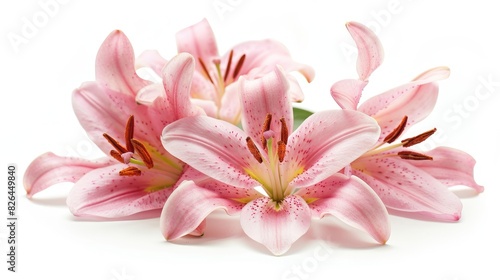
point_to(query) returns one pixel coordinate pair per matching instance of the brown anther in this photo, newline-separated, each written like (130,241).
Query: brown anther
(253,149)
(205,70)
(228,66)
(119,148)
(116,155)
(129,134)
(391,137)
(143,153)
(413,155)
(265,127)
(130,171)
(284,131)
(281,150)
(418,139)
(238,66)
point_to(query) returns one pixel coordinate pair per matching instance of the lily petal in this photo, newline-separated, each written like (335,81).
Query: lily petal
(199,41)
(266,95)
(151,59)
(326,142)
(104,193)
(347,93)
(406,188)
(370,51)
(352,201)
(276,227)
(213,147)
(191,202)
(115,65)
(50,169)
(450,166)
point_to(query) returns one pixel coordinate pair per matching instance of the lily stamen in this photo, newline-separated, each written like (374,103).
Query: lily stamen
(129,134)
(143,153)
(238,66)
(413,155)
(205,70)
(391,137)
(130,171)
(418,139)
(228,66)
(253,149)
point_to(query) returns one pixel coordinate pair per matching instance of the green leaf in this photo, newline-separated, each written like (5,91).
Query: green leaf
(299,115)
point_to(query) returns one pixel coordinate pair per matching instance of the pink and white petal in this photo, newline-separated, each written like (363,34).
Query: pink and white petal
(450,166)
(347,93)
(49,169)
(406,188)
(101,110)
(434,74)
(370,51)
(261,57)
(230,109)
(295,91)
(417,104)
(199,41)
(202,88)
(104,193)
(327,142)
(148,94)
(151,59)
(189,205)
(276,226)
(177,76)
(213,147)
(266,95)
(115,65)
(352,201)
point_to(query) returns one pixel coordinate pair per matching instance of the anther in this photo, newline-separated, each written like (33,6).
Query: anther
(129,134)
(281,150)
(143,153)
(205,70)
(238,66)
(413,155)
(116,155)
(284,131)
(253,149)
(418,139)
(130,171)
(119,148)
(228,66)
(266,126)
(391,137)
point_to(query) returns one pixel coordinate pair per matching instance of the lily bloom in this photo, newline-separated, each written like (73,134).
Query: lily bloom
(409,182)
(214,88)
(138,174)
(296,173)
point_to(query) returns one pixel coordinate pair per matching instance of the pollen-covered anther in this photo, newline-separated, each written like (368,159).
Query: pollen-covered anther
(119,148)
(129,133)
(143,153)
(418,139)
(284,131)
(266,126)
(130,171)
(205,70)
(413,155)
(391,137)
(239,64)
(116,155)
(281,150)
(253,149)
(228,66)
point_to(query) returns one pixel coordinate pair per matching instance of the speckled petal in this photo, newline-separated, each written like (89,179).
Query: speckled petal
(276,227)
(50,169)
(352,201)
(191,202)
(104,193)
(408,189)
(326,142)
(213,147)
(370,51)
(450,166)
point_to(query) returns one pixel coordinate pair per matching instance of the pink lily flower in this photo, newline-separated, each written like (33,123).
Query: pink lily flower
(214,88)
(138,174)
(409,182)
(297,173)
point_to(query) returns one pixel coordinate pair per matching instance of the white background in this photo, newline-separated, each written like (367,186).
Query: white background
(39,75)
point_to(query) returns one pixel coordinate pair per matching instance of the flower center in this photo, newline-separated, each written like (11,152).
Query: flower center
(273,181)
(139,154)
(384,148)
(220,80)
